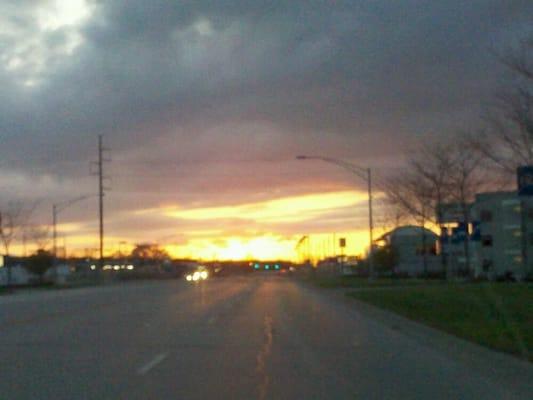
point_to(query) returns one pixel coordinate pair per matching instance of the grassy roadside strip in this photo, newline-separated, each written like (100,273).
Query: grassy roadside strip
(78,284)
(496,315)
(331,282)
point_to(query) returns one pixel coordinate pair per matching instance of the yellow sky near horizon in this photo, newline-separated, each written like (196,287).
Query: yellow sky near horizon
(276,225)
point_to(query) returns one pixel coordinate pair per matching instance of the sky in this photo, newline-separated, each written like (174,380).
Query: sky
(204,105)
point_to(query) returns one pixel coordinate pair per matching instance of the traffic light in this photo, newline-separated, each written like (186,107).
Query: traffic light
(256,266)
(267,266)
(276,266)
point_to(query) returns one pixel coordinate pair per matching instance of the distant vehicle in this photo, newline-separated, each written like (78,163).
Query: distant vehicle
(201,274)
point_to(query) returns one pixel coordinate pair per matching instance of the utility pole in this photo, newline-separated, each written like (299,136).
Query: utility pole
(8,264)
(101,193)
(54,232)
(101,198)
(24,244)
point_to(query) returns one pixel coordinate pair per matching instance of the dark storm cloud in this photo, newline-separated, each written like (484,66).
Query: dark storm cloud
(203,81)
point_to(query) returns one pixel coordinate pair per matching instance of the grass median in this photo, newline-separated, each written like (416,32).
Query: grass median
(496,315)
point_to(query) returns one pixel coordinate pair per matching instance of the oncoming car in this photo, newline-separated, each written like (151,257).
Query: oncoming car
(201,274)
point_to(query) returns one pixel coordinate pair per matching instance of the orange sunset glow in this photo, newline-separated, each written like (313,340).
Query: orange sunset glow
(260,230)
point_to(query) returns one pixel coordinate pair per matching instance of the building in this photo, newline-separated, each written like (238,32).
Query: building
(505,228)
(337,265)
(415,250)
(496,241)
(19,276)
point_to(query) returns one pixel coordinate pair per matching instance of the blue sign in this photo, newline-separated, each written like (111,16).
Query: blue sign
(525,180)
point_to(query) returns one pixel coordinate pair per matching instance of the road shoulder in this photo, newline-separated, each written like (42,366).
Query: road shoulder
(502,368)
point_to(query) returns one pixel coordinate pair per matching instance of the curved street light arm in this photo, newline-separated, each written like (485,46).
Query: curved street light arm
(365,174)
(65,204)
(56,209)
(355,169)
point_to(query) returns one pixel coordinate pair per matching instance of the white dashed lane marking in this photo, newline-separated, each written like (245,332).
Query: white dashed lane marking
(151,364)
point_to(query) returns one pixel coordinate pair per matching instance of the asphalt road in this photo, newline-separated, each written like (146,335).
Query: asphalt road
(257,337)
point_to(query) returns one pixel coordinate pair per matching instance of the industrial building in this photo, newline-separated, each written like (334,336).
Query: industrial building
(497,240)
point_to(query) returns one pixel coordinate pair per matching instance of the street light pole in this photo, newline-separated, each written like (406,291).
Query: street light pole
(370,225)
(54,232)
(56,209)
(366,175)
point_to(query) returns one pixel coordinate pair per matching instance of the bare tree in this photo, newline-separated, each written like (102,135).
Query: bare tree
(13,218)
(391,216)
(10,218)
(507,140)
(39,235)
(408,195)
(467,177)
(519,59)
(9,224)
(424,185)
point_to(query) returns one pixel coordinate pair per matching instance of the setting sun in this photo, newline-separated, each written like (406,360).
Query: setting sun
(262,230)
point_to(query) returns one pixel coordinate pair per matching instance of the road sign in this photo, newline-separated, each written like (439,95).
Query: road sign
(452,212)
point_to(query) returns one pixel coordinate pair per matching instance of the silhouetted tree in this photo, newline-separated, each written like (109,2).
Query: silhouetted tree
(507,140)
(447,170)
(467,177)
(385,258)
(39,263)
(10,217)
(144,252)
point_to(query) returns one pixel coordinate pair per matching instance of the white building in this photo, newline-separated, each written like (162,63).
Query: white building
(19,276)
(415,249)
